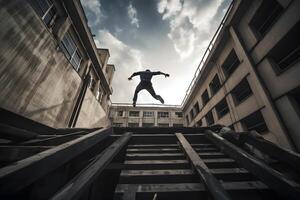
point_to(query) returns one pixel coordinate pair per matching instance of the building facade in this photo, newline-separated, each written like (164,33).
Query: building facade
(250,77)
(124,115)
(51,69)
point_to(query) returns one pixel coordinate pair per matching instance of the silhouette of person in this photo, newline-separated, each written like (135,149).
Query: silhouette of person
(146,84)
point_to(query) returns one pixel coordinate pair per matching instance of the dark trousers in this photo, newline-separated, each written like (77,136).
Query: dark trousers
(147,85)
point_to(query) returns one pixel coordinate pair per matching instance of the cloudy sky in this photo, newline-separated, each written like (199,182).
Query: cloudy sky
(160,35)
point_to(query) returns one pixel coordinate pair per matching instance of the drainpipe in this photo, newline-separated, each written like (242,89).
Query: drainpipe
(79,101)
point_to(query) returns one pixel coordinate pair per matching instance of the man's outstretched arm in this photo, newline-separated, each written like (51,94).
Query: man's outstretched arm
(134,74)
(161,73)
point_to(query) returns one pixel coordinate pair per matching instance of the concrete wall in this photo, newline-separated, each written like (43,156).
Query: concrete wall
(36,80)
(91,107)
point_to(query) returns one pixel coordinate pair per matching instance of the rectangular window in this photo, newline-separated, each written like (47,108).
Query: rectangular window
(295,99)
(242,91)
(286,52)
(215,85)
(148,114)
(256,122)
(117,124)
(222,108)
(265,16)
(205,97)
(70,50)
(46,10)
(133,124)
(192,114)
(199,123)
(196,108)
(163,125)
(134,113)
(178,114)
(148,124)
(177,125)
(230,64)
(92,84)
(209,118)
(120,113)
(162,114)
(187,119)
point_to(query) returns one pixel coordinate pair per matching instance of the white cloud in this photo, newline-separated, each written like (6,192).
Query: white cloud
(94,7)
(191,22)
(126,60)
(132,14)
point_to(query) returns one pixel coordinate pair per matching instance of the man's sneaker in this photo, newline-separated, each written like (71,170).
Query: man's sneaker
(160,99)
(133,104)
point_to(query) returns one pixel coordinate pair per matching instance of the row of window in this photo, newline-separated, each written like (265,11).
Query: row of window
(48,13)
(254,121)
(147,125)
(148,114)
(239,93)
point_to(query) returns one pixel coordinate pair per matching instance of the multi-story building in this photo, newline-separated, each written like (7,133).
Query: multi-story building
(124,115)
(51,69)
(249,77)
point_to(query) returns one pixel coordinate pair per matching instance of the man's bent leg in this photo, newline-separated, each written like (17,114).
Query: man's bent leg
(155,96)
(137,90)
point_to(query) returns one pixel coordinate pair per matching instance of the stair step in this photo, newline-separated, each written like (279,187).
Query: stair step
(155,164)
(181,175)
(153,145)
(159,156)
(183,191)
(156,150)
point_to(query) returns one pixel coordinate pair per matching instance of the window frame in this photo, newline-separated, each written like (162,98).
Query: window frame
(133,111)
(159,114)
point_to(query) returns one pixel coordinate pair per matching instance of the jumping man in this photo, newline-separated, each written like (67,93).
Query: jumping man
(146,84)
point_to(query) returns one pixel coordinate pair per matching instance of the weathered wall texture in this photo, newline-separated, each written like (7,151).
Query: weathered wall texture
(36,80)
(91,107)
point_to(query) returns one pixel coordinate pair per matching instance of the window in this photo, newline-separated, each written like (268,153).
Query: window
(205,97)
(177,125)
(148,114)
(215,85)
(265,16)
(46,11)
(117,124)
(92,84)
(199,123)
(230,64)
(287,51)
(192,114)
(148,124)
(163,125)
(187,119)
(196,108)
(209,118)
(133,124)
(295,99)
(99,94)
(163,114)
(242,91)
(178,114)
(256,122)
(222,108)
(120,113)
(70,50)
(134,113)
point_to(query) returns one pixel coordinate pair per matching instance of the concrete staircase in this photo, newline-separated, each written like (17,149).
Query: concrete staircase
(142,163)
